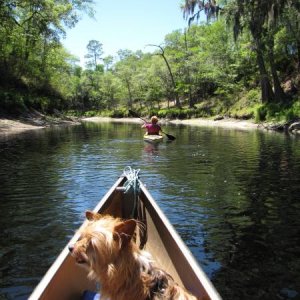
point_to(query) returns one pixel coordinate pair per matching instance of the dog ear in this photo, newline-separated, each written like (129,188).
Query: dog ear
(125,230)
(91,216)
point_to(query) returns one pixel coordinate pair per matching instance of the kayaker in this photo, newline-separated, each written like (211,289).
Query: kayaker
(152,128)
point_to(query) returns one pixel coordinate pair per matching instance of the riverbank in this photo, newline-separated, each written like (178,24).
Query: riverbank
(292,127)
(15,126)
(228,123)
(33,121)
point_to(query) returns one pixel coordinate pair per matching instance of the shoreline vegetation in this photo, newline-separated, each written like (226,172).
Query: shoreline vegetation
(12,126)
(242,63)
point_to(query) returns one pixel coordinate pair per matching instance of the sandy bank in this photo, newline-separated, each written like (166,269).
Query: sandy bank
(228,123)
(14,126)
(116,120)
(8,126)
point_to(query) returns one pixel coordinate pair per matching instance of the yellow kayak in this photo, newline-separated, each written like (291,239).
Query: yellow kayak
(153,138)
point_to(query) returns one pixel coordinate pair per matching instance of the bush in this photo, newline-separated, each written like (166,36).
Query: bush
(118,113)
(174,113)
(277,112)
(290,115)
(260,113)
(90,113)
(273,110)
(296,108)
(253,96)
(11,102)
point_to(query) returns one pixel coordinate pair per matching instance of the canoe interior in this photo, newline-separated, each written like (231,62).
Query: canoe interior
(66,280)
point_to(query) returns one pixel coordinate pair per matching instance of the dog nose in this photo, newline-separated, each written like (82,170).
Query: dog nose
(71,248)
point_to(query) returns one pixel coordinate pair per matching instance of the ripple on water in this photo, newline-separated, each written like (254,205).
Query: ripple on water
(232,196)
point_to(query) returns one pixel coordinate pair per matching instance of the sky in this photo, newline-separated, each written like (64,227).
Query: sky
(126,24)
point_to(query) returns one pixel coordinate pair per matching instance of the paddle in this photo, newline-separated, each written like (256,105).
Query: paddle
(134,114)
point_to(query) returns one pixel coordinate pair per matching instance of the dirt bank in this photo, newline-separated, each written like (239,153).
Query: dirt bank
(228,123)
(116,120)
(10,126)
(14,126)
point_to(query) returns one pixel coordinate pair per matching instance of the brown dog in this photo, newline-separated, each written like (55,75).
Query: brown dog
(124,271)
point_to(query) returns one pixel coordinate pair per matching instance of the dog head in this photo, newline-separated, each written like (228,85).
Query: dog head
(102,241)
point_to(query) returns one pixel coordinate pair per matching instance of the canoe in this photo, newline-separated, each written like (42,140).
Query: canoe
(153,138)
(66,280)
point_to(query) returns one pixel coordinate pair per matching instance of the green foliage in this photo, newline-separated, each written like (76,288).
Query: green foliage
(253,96)
(94,54)
(181,113)
(260,113)
(174,113)
(38,102)
(117,113)
(90,113)
(73,113)
(11,102)
(32,60)
(295,108)
(278,112)
(244,105)
(211,73)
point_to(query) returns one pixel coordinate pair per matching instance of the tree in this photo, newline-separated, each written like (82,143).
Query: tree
(125,71)
(290,19)
(108,62)
(162,54)
(109,88)
(260,17)
(192,10)
(94,54)
(31,55)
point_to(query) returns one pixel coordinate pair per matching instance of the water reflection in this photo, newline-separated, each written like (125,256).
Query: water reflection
(233,197)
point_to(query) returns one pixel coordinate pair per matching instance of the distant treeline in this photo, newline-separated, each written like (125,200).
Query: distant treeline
(244,60)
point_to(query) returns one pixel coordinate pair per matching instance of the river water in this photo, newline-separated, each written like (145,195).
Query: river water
(233,196)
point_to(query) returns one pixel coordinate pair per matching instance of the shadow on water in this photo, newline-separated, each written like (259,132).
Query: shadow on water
(233,196)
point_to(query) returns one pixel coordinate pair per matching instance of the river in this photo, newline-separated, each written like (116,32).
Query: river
(232,195)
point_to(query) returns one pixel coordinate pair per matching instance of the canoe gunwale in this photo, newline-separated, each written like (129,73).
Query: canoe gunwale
(195,280)
(44,283)
(190,260)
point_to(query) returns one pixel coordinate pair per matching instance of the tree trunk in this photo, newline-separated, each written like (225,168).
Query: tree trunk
(191,99)
(298,49)
(188,75)
(267,94)
(279,95)
(129,94)
(177,103)
(175,94)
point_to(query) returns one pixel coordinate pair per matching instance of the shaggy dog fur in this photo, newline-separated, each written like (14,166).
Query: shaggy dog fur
(124,271)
